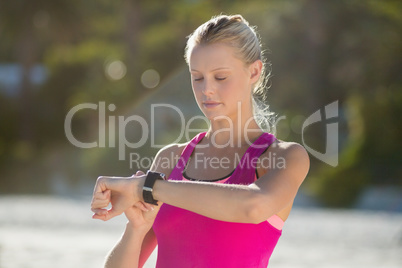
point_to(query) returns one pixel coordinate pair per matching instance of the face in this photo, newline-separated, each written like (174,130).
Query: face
(220,80)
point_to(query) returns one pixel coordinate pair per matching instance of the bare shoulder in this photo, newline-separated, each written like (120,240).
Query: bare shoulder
(289,149)
(289,157)
(167,157)
(174,148)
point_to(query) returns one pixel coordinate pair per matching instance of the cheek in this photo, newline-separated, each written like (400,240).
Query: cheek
(197,91)
(235,88)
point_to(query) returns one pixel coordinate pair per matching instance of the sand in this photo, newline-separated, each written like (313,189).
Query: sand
(45,231)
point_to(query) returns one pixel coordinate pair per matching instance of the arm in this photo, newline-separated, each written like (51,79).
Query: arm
(138,240)
(134,247)
(237,203)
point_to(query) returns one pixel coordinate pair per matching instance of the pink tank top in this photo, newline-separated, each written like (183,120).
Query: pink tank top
(186,239)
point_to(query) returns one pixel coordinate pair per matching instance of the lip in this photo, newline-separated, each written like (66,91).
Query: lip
(210,104)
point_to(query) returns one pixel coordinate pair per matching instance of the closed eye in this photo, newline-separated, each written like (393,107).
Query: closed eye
(198,79)
(220,78)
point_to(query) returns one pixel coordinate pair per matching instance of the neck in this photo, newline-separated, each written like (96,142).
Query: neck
(237,133)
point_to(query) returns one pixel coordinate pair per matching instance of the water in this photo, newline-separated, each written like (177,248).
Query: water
(59,232)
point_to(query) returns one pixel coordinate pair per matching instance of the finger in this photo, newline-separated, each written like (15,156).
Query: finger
(111,213)
(140,206)
(99,211)
(143,206)
(100,185)
(99,217)
(148,206)
(104,214)
(139,173)
(101,198)
(100,204)
(104,194)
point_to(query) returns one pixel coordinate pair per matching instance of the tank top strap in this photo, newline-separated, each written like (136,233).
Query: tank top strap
(245,170)
(177,171)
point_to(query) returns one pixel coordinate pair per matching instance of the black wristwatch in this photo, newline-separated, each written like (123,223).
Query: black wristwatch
(148,186)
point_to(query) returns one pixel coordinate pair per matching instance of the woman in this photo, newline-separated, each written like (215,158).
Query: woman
(221,205)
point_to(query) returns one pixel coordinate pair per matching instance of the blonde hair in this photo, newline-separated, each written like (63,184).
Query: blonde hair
(236,32)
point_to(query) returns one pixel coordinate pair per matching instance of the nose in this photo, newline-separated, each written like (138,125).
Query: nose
(207,88)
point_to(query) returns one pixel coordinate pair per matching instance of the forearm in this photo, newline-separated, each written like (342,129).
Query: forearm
(148,246)
(254,203)
(233,203)
(127,251)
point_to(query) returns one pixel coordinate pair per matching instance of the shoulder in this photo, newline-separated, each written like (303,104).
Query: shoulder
(175,149)
(167,157)
(288,149)
(289,156)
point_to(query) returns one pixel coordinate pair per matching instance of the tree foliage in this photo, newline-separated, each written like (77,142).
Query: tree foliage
(321,51)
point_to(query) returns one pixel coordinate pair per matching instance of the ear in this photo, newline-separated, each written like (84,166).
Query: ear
(255,69)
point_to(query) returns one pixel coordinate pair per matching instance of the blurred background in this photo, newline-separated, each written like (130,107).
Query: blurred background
(126,55)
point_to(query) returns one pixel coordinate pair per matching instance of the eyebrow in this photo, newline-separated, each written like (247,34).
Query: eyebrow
(217,69)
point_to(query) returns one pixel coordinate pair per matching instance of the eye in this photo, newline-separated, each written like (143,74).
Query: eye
(220,78)
(198,79)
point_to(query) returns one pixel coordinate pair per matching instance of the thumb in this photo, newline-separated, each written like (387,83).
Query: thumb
(111,213)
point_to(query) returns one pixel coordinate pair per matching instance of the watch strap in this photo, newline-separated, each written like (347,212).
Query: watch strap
(147,189)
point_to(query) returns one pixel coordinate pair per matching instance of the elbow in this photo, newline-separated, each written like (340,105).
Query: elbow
(256,210)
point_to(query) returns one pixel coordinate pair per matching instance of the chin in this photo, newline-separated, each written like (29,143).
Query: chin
(216,117)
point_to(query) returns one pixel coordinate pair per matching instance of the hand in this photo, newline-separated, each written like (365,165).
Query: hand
(121,192)
(141,215)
